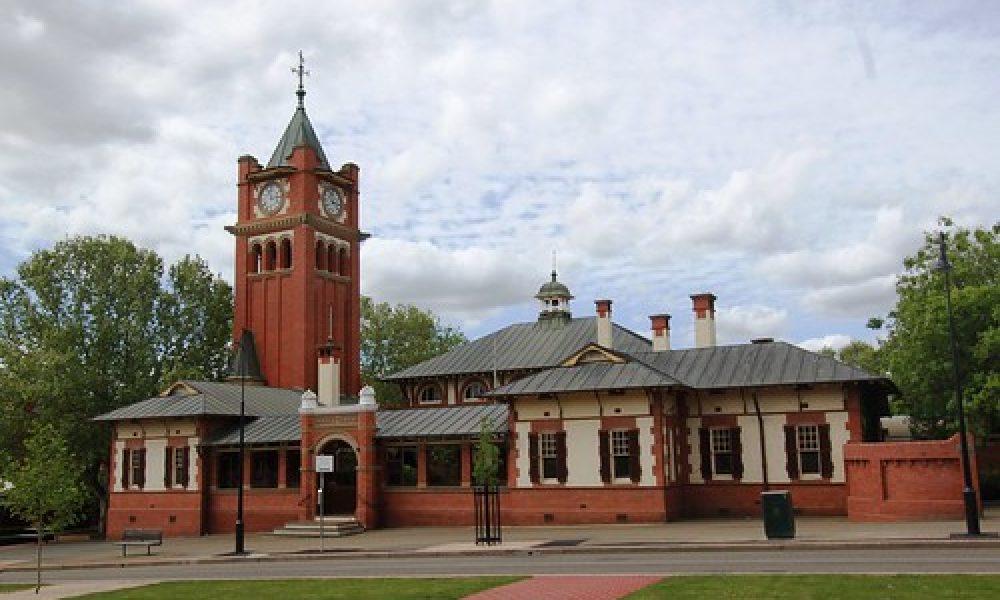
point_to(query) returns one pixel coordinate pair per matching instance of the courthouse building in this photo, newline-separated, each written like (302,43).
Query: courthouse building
(597,423)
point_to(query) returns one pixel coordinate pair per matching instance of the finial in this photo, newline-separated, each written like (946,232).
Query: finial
(301,72)
(553,265)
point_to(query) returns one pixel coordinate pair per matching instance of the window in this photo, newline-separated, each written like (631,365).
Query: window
(134,468)
(722,451)
(227,470)
(621,454)
(272,256)
(549,456)
(175,468)
(808,447)
(430,394)
(474,391)
(264,469)
(401,465)
(293,466)
(286,253)
(444,465)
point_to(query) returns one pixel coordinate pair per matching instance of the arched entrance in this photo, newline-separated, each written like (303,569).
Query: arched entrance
(341,487)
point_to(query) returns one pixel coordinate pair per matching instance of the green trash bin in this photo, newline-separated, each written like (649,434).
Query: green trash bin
(779,520)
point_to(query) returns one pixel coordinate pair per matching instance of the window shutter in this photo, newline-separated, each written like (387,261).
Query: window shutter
(791,452)
(126,467)
(605,451)
(186,468)
(635,466)
(141,479)
(561,455)
(737,444)
(705,446)
(533,457)
(168,466)
(825,452)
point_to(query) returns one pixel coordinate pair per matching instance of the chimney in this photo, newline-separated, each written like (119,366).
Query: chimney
(704,320)
(604,323)
(328,384)
(660,324)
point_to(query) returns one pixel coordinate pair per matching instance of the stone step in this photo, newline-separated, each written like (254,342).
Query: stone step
(331,527)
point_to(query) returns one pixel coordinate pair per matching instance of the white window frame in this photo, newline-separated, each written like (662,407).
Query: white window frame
(482,391)
(548,449)
(430,386)
(135,469)
(721,442)
(620,447)
(807,440)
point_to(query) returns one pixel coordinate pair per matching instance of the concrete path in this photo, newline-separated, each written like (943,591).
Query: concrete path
(72,590)
(568,587)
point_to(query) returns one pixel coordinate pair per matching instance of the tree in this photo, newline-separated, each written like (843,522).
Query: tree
(916,351)
(487,460)
(44,487)
(396,337)
(91,325)
(863,355)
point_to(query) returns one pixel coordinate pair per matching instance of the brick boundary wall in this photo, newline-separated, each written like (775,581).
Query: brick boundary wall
(913,480)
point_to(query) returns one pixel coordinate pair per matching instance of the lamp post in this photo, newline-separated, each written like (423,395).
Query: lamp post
(968,492)
(242,357)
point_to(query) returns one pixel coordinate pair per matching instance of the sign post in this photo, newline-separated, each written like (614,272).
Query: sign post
(324,465)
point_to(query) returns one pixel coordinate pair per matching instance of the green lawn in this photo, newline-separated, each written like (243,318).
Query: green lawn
(311,589)
(14,587)
(823,587)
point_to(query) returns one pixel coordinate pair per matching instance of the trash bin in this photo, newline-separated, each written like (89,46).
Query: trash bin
(779,520)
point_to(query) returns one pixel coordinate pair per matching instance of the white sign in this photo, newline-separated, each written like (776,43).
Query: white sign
(324,463)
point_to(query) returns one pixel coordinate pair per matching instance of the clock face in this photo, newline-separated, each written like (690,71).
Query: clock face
(271,197)
(333,201)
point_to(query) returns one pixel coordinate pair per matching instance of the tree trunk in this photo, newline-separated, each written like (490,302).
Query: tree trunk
(38,556)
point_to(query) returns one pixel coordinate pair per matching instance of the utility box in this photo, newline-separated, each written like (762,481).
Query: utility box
(779,518)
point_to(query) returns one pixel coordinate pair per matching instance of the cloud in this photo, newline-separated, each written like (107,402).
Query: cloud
(833,340)
(739,324)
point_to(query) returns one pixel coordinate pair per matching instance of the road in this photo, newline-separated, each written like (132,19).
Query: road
(931,560)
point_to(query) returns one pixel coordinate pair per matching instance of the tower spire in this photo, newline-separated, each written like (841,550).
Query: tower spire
(301,72)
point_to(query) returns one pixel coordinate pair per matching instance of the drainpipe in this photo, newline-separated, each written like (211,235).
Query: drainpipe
(760,430)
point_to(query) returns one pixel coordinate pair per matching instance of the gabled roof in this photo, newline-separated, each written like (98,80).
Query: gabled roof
(299,132)
(450,421)
(522,346)
(598,376)
(262,430)
(751,365)
(207,398)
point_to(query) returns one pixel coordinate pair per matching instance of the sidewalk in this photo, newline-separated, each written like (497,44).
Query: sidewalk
(707,534)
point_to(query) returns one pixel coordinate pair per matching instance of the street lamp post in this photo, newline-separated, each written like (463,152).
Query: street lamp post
(968,492)
(242,357)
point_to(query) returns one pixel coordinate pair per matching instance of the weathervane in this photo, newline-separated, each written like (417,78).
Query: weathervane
(301,72)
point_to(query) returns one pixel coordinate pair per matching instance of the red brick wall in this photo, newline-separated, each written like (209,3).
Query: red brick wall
(263,510)
(905,480)
(176,513)
(732,499)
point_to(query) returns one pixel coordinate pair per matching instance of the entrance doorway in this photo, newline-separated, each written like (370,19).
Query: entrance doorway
(341,489)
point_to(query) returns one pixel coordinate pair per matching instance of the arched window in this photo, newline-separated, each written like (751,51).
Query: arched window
(286,253)
(331,258)
(430,394)
(343,267)
(255,259)
(474,390)
(272,256)
(320,256)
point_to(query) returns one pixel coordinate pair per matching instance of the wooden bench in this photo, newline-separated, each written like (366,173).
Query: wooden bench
(140,537)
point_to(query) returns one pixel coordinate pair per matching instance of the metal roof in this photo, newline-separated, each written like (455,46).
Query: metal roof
(197,398)
(750,365)
(262,430)
(589,376)
(299,132)
(451,421)
(522,346)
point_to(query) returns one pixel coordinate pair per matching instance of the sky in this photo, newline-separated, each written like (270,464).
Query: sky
(785,156)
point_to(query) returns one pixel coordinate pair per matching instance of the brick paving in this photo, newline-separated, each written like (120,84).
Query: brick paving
(569,587)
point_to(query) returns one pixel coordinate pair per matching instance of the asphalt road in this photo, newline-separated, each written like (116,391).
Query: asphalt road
(932,560)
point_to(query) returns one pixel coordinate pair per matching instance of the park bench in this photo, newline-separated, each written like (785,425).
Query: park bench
(140,537)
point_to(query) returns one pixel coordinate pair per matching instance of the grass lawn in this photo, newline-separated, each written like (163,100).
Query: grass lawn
(311,589)
(823,587)
(15,587)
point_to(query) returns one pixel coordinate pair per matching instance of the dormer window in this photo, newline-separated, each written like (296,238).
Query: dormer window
(474,391)
(430,394)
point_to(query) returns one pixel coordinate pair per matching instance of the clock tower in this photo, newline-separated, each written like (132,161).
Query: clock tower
(297,262)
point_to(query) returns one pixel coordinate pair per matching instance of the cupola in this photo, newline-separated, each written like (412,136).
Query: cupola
(554,298)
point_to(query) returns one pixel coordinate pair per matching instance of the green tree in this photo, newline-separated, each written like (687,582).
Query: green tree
(93,324)
(916,351)
(863,355)
(396,337)
(487,459)
(44,487)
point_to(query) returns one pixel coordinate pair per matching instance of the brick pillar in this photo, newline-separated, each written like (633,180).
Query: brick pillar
(307,478)
(368,468)
(467,458)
